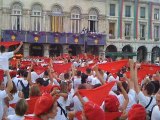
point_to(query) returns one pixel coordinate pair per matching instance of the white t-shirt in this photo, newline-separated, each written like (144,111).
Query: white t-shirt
(77,82)
(4,60)
(3,95)
(15,80)
(132,99)
(34,76)
(144,100)
(155,113)
(25,83)
(15,117)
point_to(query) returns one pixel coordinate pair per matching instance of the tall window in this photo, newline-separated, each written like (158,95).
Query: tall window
(93,20)
(112,9)
(143,12)
(36,17)
(16,19)
(57,19)
(156,32)
(128,11)
(156,14)
(75,20)
(142,32)
(127,30)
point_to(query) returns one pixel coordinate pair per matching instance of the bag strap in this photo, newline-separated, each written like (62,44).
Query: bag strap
(149,102)
(62,110)
(152,109)
(23,84)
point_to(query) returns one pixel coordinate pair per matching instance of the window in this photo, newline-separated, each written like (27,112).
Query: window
(36,17)
(156,32)
(93,20)
(75,20)
(57,19)
(143,12)
(142,32)
(16,18)
(127,30)
(112,30)
(156,14)
(128,11)
(112,9)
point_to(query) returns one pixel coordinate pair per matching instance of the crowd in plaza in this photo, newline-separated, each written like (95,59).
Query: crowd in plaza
(83,87)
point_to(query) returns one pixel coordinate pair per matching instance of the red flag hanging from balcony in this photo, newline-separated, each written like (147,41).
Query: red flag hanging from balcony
(8,44)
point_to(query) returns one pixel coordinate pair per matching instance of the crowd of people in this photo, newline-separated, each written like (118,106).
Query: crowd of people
(91,93)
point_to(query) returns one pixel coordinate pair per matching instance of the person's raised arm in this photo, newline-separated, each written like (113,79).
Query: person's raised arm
(9,84)
(136,85)
(18,48)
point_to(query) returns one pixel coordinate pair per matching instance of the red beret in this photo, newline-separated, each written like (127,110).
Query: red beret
(93,111)
(112,103)
(1,74)
(43,104)
(137,112)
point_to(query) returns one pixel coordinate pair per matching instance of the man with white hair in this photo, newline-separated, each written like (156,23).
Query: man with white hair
(156,109)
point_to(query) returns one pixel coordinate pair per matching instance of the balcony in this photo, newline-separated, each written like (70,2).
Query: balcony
(156,39)
(142,38)
(127,37)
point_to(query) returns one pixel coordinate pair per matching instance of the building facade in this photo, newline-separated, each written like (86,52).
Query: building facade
(50,28)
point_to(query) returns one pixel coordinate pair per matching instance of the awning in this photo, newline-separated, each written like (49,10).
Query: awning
(121,54)
(8,44)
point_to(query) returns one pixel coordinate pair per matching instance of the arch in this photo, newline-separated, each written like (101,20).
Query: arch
(93,11)
(36,49)
(55,50)
(141,54)
(57,8)
(18,3)
(37,7)
(111,48)
(75,10)
(127,49)
(155,53)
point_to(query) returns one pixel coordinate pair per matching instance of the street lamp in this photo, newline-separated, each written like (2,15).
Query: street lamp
(85,32)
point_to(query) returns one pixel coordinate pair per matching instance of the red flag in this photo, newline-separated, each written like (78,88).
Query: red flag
(97,95)
(113,67)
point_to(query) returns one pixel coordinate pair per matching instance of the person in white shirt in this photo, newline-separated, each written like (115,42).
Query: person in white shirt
(4,92)
(20,110)
(77,80)
(5,56)
(156,109)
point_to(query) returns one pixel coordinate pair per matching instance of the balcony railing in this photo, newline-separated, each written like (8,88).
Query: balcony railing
(127,37)
(156,39)
(142,38)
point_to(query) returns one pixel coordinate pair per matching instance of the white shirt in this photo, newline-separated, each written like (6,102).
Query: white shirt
(132,99)
(15,117)
(155,113)
(3,95)
(25,83)
(15,80)
(77,82)
(34,76)
(4,60)
(144,100)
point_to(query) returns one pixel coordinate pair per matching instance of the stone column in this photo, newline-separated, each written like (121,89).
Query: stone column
(46,50)
(65,48)
(26,47)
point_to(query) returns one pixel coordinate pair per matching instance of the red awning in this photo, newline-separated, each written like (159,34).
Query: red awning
(8,44)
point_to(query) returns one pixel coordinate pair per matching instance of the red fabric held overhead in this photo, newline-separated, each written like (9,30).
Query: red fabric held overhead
(8,44)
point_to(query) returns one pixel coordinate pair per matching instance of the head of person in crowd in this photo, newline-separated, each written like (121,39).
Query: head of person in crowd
(111,104)
(125,86)
(45,107)
(78,73)
(21,107)
(2,48)
(66,76)
(158,98)
(148,89)
(39,81)
(13,73)
(34,91)
(64,86)
(137,112)
(84,78)
(46,74)
(20,72)
(156,86)
(88,71)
